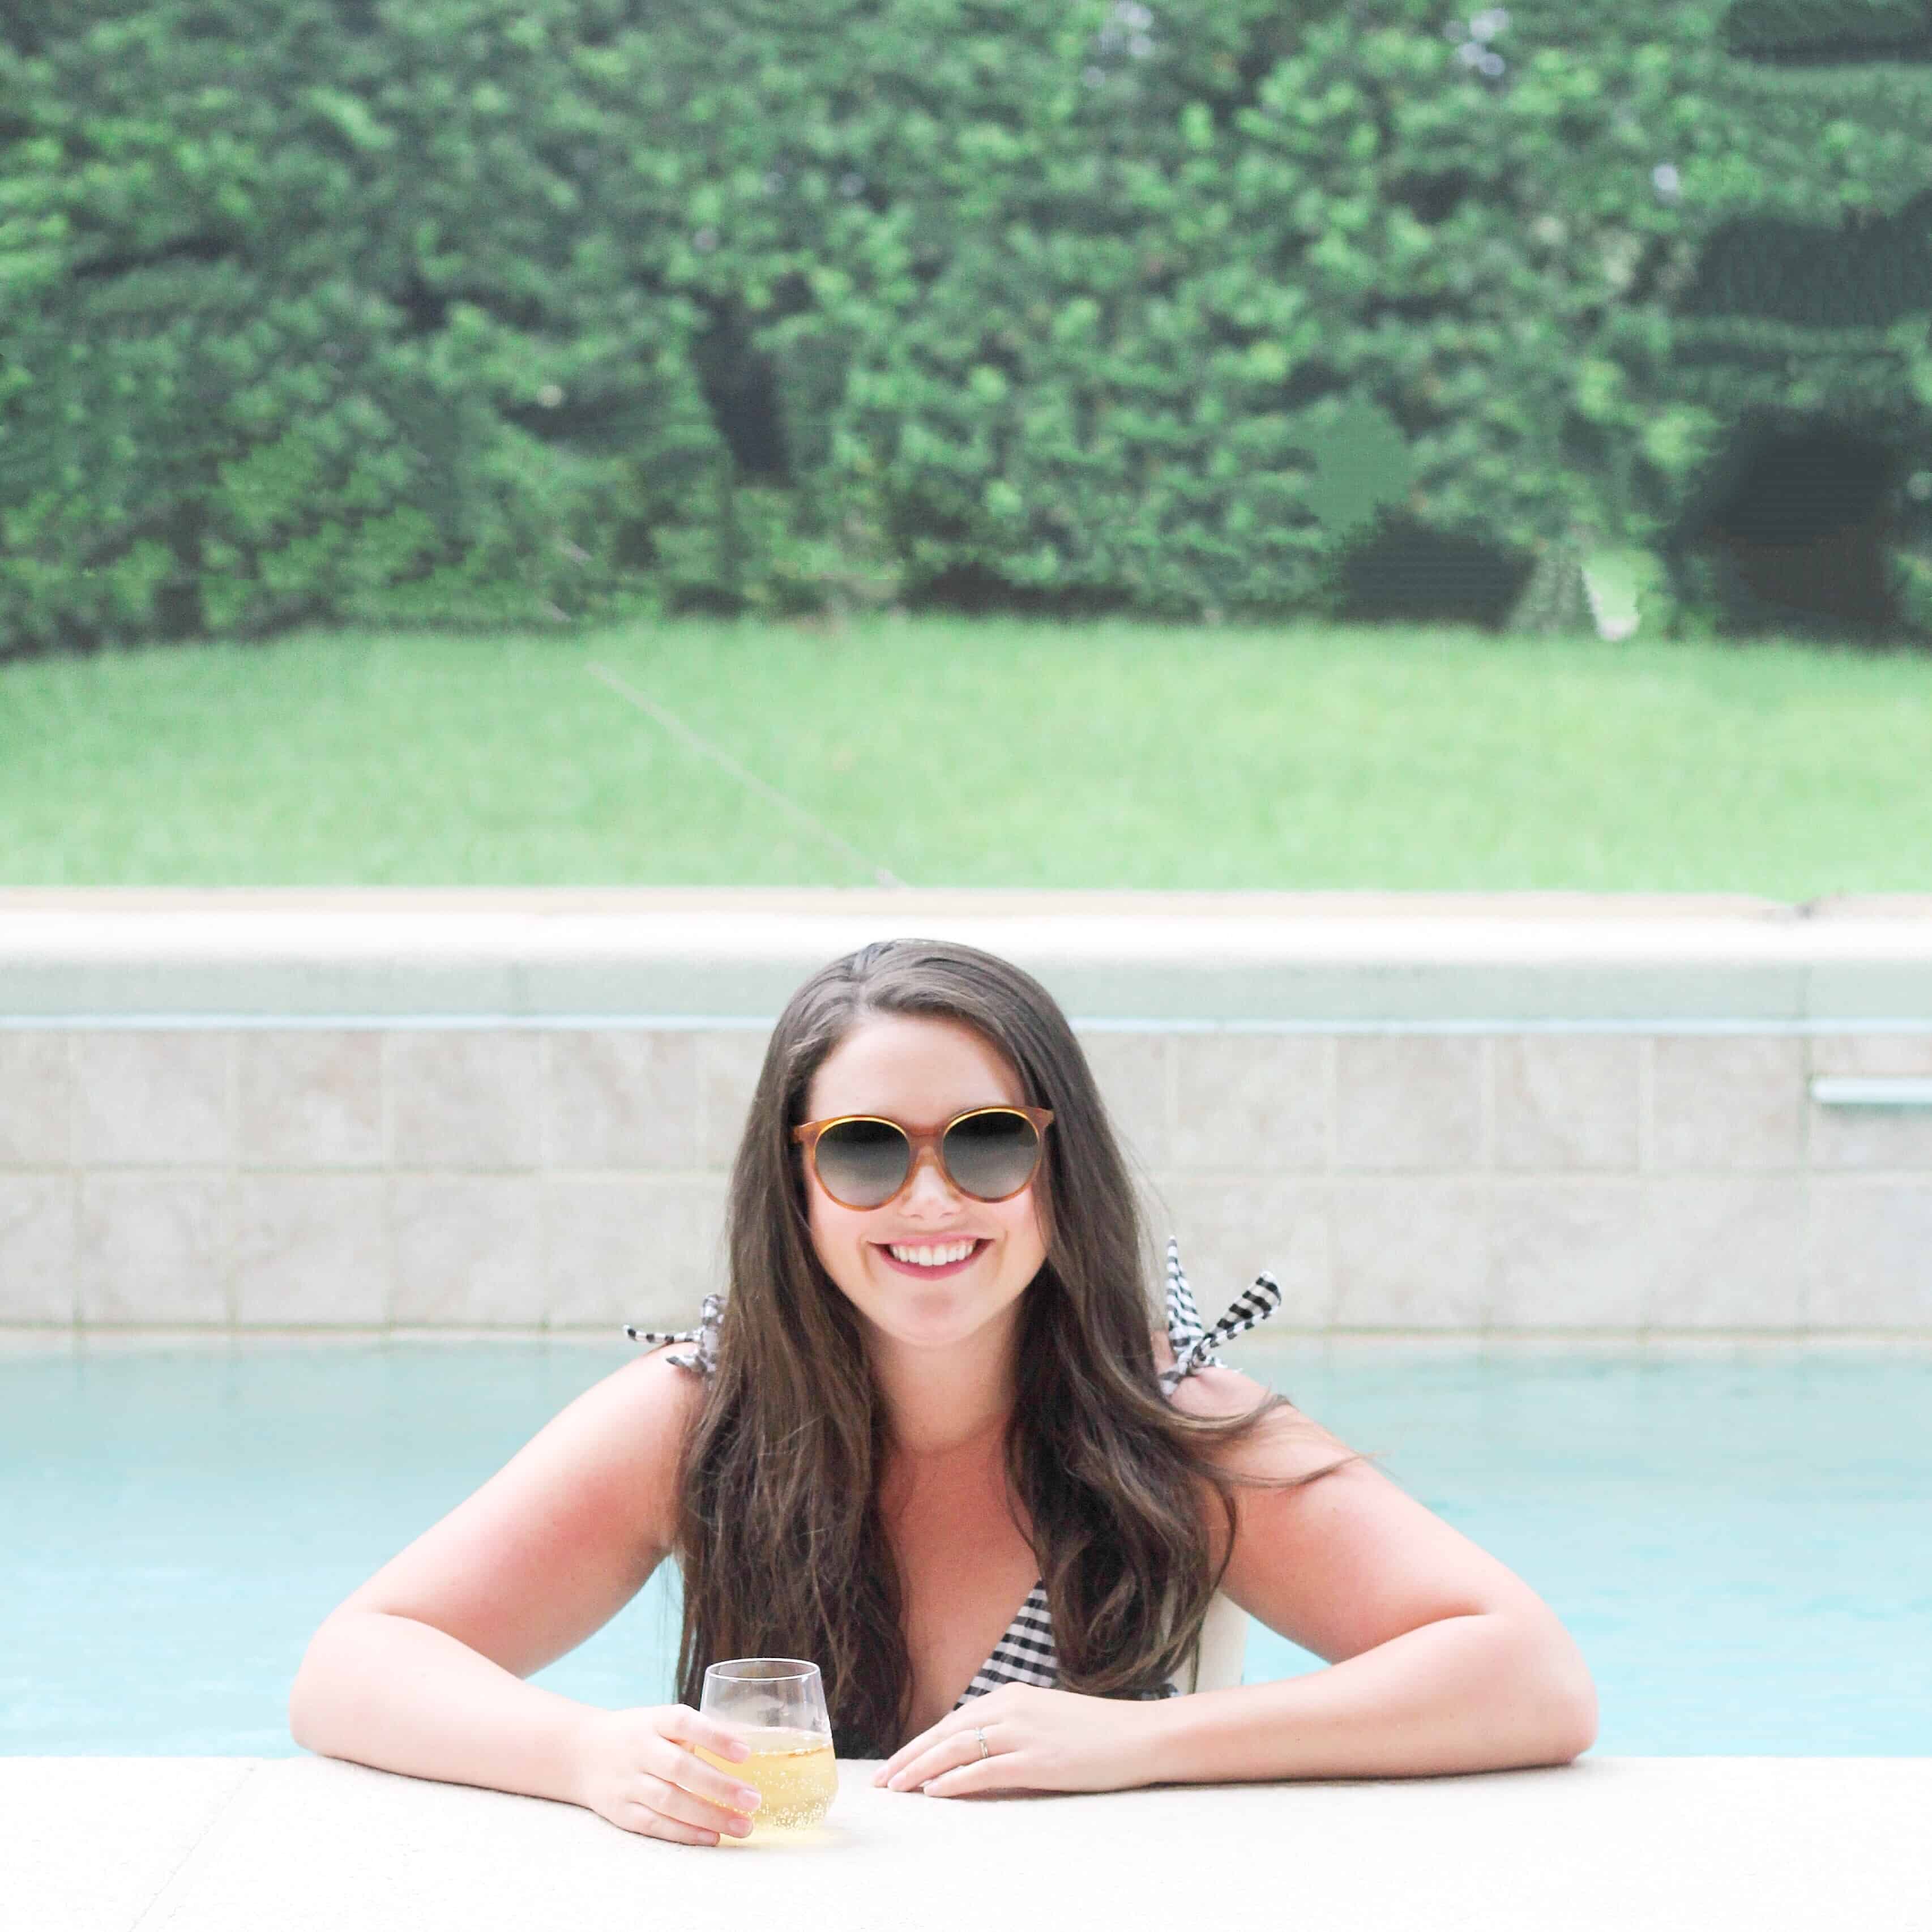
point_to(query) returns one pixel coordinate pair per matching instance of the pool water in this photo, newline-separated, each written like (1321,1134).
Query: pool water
(1743,1546)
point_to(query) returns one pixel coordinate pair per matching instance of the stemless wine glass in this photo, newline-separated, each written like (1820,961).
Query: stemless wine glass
(777,1705)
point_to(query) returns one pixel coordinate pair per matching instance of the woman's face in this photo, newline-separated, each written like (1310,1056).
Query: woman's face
(935,1266)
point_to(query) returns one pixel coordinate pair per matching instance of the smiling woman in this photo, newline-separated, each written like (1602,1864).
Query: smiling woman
(931,1442)
(931,1226)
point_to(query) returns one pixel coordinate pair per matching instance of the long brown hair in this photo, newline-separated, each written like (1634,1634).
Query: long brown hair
(780,1537)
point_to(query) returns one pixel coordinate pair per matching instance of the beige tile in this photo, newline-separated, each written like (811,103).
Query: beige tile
(1727,1101)
(155,1249)
(646,1250)
(622,1099)
(38,1247)
(1568,1254)
(1567,1100)
(1412,1253)
(309,1098)
(311,1249)
(1871,1261)
(464,1099)
(34,1099)
(1908,1054)
(152,1100)
(468,1250)
(1131,1070)
(1252,1102)
(728,1060)
(1871,1138)
(1726,1252)
(1230,1230)
(1407,1101)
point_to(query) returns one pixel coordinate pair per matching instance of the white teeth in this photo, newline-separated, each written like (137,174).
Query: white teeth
(932,1257)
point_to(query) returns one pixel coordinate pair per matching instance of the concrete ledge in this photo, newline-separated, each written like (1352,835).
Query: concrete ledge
(1608,1845)
(1271,958)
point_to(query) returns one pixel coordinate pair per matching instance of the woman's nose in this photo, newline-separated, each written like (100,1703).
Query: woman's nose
(929,1189)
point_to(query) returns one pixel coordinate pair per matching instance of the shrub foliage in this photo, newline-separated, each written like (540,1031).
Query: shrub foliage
(452,311)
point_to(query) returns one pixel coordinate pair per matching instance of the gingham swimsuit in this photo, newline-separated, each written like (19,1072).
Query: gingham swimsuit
(1026,1654)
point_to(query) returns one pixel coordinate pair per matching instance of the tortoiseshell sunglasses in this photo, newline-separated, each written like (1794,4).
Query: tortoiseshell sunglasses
(864,1160)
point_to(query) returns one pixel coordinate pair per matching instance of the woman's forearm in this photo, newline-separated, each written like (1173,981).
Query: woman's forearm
(1478,1693)
(403,1696)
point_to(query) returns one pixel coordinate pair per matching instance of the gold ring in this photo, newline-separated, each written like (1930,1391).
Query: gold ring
(981,1736)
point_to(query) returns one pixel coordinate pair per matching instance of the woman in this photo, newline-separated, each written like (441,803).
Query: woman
(932,1395)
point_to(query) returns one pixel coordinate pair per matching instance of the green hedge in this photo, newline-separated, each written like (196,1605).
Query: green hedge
(461,310)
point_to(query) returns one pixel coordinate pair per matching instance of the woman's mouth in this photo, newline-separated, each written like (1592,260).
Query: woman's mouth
(930,1260)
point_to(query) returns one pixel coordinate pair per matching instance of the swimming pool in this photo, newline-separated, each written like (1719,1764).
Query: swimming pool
(1742,1546)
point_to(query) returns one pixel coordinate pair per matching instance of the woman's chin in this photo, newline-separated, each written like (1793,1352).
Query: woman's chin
(933,1318)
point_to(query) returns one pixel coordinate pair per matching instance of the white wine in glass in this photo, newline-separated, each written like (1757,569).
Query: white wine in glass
(777,1705)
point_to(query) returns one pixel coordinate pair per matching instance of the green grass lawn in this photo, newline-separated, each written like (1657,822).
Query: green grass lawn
(972,752)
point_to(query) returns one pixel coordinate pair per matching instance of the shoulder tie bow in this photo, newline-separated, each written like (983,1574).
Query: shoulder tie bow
(704,1359)
(1194,1346)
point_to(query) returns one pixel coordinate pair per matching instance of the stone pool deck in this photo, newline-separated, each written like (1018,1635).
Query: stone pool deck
(1621,1844)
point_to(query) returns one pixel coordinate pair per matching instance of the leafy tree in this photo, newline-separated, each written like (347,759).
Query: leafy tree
(457,310)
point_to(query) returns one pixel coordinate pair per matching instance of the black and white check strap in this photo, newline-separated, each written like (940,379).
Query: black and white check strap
(1194,1346)
(705,1358)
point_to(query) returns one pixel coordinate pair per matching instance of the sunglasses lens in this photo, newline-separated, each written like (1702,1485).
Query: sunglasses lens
(991,1155)
(862,1163)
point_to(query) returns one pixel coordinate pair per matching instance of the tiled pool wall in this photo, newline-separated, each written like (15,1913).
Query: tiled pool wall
(1398,1171)
(575,1178)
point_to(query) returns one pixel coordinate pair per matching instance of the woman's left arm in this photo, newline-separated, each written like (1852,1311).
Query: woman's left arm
(1441,1659)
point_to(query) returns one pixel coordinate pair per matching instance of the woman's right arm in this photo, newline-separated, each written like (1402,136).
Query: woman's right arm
(421,1669)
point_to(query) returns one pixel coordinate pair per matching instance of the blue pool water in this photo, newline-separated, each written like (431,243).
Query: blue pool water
(1743,1547)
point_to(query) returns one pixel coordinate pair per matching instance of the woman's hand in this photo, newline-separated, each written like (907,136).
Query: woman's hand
(1036,1741)
(635,1768)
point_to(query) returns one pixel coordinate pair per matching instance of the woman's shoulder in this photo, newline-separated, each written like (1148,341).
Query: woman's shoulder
(1209,1391)
(1286,1442)
(627,1433)
(1216,1394)
(657,1395)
